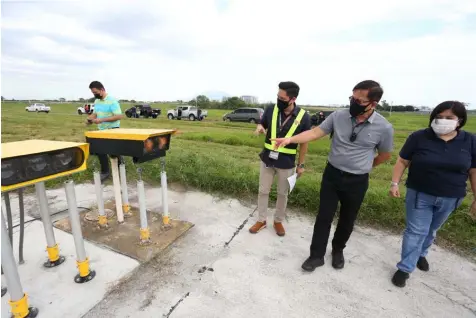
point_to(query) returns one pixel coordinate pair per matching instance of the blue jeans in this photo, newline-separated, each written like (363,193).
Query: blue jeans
(425,215)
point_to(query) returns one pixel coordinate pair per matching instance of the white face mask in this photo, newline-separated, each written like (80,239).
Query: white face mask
(444,126)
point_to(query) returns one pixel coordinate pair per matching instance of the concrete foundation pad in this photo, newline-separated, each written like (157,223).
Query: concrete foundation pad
(125,238)
(53,290)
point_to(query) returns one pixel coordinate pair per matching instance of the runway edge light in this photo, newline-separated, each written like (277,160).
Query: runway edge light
(28,162)
(141,144)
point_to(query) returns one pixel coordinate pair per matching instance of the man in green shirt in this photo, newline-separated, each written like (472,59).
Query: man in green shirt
(107,115)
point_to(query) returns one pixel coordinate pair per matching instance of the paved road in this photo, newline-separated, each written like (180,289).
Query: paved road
(221,270)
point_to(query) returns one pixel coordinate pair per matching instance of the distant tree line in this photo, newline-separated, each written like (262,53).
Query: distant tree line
(204,102)
(385,106)
(234,102)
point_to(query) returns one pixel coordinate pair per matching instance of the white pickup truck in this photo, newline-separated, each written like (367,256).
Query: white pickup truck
(187,112)
(85,109)
(38,107)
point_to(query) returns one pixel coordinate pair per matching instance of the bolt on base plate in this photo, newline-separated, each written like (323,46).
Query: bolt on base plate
(166,227)
(145,242)
(103,226)
(80,280)
(50,264)
(33,312)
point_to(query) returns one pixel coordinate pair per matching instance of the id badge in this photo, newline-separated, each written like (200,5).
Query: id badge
(274,155)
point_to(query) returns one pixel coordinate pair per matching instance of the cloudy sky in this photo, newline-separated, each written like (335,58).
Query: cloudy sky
(421,51)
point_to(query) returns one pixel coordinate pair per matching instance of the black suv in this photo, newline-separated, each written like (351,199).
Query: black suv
(144,110)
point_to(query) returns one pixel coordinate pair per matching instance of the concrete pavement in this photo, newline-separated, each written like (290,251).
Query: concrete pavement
(219,269)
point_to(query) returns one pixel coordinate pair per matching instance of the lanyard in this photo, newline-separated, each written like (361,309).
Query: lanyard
(285,121)
(357,125)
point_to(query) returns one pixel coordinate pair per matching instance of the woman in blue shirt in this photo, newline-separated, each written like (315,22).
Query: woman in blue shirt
(440,160)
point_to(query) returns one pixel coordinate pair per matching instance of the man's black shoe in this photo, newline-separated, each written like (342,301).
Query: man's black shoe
(422,264)
(105,176)
(338,260)
(399,278)
(311,263)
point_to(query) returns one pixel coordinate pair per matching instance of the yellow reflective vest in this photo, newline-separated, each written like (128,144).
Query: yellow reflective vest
(274,124)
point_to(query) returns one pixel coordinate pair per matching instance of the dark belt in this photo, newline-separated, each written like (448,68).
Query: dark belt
(345,173)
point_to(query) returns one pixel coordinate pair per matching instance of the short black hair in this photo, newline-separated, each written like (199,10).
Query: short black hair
(96,85)
(291,89)
(375,90)
(456,107)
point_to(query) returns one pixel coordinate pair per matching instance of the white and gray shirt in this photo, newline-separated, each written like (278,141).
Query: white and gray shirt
(375,134)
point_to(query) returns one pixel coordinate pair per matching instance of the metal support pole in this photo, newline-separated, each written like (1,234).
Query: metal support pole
(144,226)
(117,189)
(54,258)
(163,182)
(125,196)
(85,273)
(8,207)
(102,218)
(22,226)
(18,299)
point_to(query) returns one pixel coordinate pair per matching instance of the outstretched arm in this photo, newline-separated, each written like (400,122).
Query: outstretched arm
(317,132)
(307,136)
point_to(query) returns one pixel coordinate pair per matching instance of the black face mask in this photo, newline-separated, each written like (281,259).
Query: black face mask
(356,109)
(282,105)
(98,96)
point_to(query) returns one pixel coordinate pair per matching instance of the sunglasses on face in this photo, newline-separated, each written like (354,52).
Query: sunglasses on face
(360,102)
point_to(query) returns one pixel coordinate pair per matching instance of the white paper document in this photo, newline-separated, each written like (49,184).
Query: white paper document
(292,182)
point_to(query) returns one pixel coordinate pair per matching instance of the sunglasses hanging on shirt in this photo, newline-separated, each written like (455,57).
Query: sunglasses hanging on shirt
(354,134)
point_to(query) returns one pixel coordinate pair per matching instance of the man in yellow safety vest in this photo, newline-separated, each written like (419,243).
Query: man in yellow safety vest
(285,119)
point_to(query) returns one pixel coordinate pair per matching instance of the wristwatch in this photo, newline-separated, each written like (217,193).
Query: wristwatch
(301,165)
(394,184)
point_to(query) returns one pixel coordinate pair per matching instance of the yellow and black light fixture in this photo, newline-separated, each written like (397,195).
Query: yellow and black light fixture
(31,161)
(140,144)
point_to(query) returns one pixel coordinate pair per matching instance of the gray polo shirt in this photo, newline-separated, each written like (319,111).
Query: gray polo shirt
(357,157)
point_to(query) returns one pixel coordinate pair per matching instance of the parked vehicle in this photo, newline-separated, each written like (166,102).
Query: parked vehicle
(316,120)
(144,110)
(251,115)
(188,112)
(38,107)
(86,109)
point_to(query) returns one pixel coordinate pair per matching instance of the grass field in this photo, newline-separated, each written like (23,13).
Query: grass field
(223,157)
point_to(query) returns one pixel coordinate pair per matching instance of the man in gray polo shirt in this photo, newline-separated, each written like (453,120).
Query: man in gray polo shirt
(357,134)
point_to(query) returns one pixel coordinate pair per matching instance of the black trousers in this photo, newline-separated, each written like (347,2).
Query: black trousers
(104,162)
(349,190)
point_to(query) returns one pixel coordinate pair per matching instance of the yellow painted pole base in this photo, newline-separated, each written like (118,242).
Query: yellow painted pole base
(102,221)
(19,308)
(54,258)
(83,267)
(126,208)
(144,236)
(85,274)
(53,253)
(166,223)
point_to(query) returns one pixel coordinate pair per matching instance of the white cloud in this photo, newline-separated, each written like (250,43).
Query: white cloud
(166,50)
